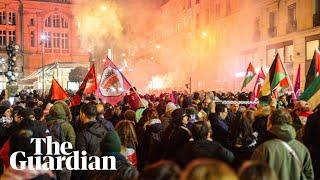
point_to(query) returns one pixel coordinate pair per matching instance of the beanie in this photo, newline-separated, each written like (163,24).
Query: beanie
(110,143)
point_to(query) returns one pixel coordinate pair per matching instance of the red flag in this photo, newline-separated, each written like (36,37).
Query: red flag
(88,86)
(112,85)
(297,83)
(57,91)
(257,87)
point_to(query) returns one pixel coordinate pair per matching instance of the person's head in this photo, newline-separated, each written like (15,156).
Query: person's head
(179,117)
(170,107)
(256,170)
(199,130)
(88,112)
(196,96)
(152,114)
(38,113)
(234,107)
(111,143)
(221,111)
(279,117)
(127,134)
(208,169)
(130,115)
(249,115)
(57,112)
(5,111)
(100,109)
(65,108)
(161,170)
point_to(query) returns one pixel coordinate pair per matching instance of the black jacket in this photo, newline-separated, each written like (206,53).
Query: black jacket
(150,147)
(312,142)
(90,137)
(219,133)
(204,149)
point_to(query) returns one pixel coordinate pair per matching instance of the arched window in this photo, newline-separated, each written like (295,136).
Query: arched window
(57,33)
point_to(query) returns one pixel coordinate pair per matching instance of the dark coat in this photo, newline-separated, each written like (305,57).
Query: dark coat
(312,142)
(220,130)
(177,137)
(107,124)
(204,149)
(150,147)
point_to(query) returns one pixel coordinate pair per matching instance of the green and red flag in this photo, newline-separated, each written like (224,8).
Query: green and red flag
(312,93)
(314,70)
(249,76)
(277,77)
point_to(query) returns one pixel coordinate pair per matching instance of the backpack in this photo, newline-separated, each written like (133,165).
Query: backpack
(57,133)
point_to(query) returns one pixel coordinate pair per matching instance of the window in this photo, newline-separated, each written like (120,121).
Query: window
(3,41)
(197,21)
(48,22)
(64,41)
(48,42)
(56,21)
(272,24)
(56,40)
(2,17)
(11,18)
(189,4)
(256,25)
(292,21)
(32,39)
(197,1)
(217,10)
(285,51)
(311,46)
(12,36)
(31,22)
(64,23)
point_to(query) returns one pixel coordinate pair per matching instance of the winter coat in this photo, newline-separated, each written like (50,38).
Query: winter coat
(90,137)
(177,137)
(260,123)
(280,158)
(203,149)
(312,142)
(150,147)
(165,119)
(107,124)
(70,135)
(220,130)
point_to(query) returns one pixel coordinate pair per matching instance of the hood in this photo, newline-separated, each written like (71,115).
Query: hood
(57,112)
(285,132)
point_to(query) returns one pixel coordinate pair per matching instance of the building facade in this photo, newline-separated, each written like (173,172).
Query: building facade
(223,36)
(46,32)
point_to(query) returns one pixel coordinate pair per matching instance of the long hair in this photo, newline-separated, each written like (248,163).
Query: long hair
(127,134)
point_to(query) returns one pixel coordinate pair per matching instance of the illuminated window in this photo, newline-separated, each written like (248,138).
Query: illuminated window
(2,17)
(12,36)
(11,18)
(3,41)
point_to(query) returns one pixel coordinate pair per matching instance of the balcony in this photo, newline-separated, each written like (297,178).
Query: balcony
(291,27)
(316,19)
(272,31)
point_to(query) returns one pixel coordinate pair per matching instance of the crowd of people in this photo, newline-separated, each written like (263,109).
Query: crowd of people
(204,135)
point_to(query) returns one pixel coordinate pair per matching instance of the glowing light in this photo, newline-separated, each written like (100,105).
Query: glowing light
(152,58)
(99,76)
(103,8)
(204,34)
(158,46)
(43,37)
(104,60)
(123,54)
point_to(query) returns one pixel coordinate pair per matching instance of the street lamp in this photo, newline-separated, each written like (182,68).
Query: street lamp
(204,34)
(43,39)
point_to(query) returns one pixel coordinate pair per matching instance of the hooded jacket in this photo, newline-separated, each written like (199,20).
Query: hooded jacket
(59,115)
(280,159)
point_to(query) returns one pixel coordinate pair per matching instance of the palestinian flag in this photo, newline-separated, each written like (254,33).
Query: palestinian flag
(314,70)
(249,76)
(297,83)
(257,87)
(312,93)
(277,77)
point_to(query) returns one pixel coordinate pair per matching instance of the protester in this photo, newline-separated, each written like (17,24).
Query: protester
(289,158)
(253,170)
(202,147)
(162,170)
(200,169)
(219,125)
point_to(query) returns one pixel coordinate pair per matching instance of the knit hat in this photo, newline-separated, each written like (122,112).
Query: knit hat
(57,112)
(110,143)
(170,107)
(178,114)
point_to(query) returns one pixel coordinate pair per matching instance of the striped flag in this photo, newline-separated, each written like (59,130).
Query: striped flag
(249,75)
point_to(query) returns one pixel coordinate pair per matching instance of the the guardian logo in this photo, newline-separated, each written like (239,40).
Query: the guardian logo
(61,157)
